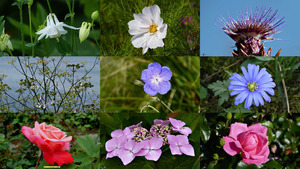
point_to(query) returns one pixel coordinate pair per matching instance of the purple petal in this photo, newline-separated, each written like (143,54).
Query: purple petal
(111,144)
(166,73)
(126,156)
(177,123)
(156,142)
(175,149)
(165,86)
(148,89)
(146,75)
(182,139)
(172,139)
(188,150)
(153,155)
(155,68)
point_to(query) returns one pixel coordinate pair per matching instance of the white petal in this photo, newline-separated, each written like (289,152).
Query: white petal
(162,31)
(155,42)
(143,19)
(139,40)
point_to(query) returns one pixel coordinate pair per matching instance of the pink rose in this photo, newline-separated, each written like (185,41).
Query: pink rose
(52,141)
(252,141)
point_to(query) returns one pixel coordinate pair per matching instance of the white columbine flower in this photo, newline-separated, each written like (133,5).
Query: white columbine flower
(148,29)
(54,28)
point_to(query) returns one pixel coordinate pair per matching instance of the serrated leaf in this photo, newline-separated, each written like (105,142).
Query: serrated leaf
(203,92)
(238,109)
(220,88)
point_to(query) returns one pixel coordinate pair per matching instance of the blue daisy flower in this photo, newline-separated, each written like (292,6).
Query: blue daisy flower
(253,86)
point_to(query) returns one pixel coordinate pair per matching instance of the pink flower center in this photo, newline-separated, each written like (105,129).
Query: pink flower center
(250,143)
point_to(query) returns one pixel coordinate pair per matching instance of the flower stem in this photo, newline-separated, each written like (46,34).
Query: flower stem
(73,31)
(49,6)
(21,25)
(95,36)
(165,105)
(30,29)
(37,163)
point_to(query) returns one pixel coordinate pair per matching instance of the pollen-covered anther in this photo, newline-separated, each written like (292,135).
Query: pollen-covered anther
(252,86)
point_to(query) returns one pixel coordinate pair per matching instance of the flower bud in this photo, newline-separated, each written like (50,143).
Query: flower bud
(229,116)
(95,15)
(30,2)
(138,83)
(222,142)
(5,42)
(84,31)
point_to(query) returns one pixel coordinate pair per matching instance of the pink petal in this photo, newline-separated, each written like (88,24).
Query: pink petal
(230,146)
(126,156)
(182,139)
(236,129)
(172,139)
(111,144)
(176,123)
(153,155)
(188,150)
(258,128)
(156,143)
(175,150)
(138,147)
(117,133)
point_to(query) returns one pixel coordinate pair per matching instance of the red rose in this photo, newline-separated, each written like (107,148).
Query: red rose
(52,141)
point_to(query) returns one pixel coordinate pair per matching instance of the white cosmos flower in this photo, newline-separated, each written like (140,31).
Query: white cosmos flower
(148,29)
(54,28)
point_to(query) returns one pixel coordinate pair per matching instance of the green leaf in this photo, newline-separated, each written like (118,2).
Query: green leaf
(30,44)
(242,165)
(238,109)
(87,143)
(2,27)
(220,88)
(267,124)
(204,132)
(265,59)
(80,157)
(16,24)
(203,92)
(68,15)
(108,121)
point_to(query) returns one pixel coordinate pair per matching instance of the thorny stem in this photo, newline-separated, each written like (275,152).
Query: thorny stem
(37,163)
(21,25)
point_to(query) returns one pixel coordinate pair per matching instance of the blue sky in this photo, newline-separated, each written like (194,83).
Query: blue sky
(214,42)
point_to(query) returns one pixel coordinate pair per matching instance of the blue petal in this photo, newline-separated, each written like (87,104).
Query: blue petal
(255,98)
(258,96)
(155,68)
(270,85)
(264,95)
(149,90)
(146,75)
(237,83)
(261,73)
(241,97)
(255,72)
(165,86)
(234,87)
(249,100)
(166,73)
(245,73)
(238,77)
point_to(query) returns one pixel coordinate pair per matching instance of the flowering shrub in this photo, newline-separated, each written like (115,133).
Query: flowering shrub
(156,143)
(137,141)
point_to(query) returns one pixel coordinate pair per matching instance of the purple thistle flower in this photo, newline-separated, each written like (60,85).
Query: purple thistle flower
(180,144)
(252,86)
(248,31)
(156,79)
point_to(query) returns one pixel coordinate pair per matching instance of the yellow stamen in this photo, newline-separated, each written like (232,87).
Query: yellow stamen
(153,28)
(252,86)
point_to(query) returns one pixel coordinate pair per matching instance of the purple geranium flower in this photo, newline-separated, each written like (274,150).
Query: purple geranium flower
(252,86)
(180,144)
(129,151)
(156,79)
(178,126)
(151,149)
(251,29)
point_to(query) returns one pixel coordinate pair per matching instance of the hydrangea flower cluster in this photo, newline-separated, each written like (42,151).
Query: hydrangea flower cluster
(137,141)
